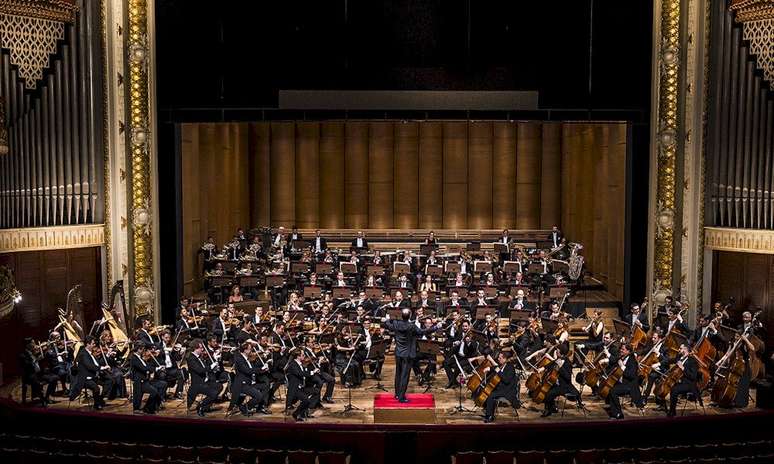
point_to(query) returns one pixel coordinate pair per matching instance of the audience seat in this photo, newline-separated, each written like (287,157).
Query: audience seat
(332,457)
(500,457)
(468,457)
(529,457)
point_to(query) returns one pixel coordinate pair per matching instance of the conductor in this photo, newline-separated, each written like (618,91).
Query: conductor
(406,334)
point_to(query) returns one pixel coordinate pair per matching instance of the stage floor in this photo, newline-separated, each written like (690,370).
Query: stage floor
(363,398)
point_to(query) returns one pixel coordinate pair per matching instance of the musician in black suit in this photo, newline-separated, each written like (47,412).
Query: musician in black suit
(460,350)
(88,375)
(144,335)
(141,372)
(637,317)
(34,376)
(359,241)
(170,358)
(627,384)
(298,390)
(405,334)
(688,383)
(245,382)
(659,367)
(323,378)
(555,237)
(319,244)
(675,322)
(508,387)
(563,385)
(202,379)
(456,303)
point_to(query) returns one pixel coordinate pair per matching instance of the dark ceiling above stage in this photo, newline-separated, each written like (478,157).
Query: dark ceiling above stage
(239,53)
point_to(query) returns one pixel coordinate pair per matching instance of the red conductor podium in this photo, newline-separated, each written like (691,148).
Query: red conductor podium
(419,410)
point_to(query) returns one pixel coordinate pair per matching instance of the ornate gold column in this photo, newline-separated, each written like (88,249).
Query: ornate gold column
(675,248)
(138,48)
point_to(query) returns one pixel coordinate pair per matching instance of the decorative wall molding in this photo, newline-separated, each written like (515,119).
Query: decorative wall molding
(757,18)
(51,238)
(740,240)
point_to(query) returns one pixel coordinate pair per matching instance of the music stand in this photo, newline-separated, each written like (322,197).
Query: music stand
(557,292)
(348,268)
(426,249)
(520,315)
(378,350)
(473,246)
(299,268)
(323,268)
(482,311)
(489,292)
(621,328)
(453,268)
(400,268)
(312,291)
(395,313)
(535,268)
(374,293)
(434,270)
(341,293)
(482,267)
(511,267)
(430,348)
(275,280)
(460,409)
(500,248)
(374,269)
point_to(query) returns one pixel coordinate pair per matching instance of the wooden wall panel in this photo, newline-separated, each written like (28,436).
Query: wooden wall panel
(550,176)
(480,175)
(308,175)
(749,279)
(332,175)
(356,175)
(455,175)
(259,146)
(528,150)
(380,175)
(406,181)
(504,175)
(430,175)
(384,174)
(283,174)
(44,278)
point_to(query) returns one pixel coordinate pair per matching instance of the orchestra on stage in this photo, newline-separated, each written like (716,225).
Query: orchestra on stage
(282,312)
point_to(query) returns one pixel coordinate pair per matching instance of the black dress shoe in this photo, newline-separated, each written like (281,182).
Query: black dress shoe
(200,412)
(263,410)
(488,419)
(243,409)
(297,418)
(403,400)
(546,412)
(328,400)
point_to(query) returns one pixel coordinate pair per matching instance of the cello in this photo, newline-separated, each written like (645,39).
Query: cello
(548,379)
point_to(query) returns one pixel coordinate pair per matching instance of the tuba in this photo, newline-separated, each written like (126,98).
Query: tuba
(575,263)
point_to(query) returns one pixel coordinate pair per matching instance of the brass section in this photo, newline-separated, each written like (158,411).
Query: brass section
(283,174)
(307,174)
(528,150)
(550,172)
(480,175)
(455,175)
(332,174)
(139,155)
(356,175)
(430,175)
(667,150)
(380,175)
(406,194)
(260,169)
(504,175)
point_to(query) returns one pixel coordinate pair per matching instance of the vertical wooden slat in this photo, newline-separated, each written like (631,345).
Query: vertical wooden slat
(480,175)
(504,175)
(356,175)
(430,175)
(307,174)
(529,147)
(380,175)
(455,175)
(283,174)
(260,149)
(550,176)
(332,175)
(406,195)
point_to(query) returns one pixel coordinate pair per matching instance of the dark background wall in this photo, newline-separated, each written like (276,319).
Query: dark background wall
(749,279)
(44,278)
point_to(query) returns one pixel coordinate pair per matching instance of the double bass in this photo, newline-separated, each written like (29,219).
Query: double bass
(730,370)
(675,374)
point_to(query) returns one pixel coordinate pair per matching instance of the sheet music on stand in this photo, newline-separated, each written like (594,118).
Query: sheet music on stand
(400,268)
(426,249)
(453,268)
(375,269)
(323,268)
(429,347)
(341,293)
(511,267)
(501,248)
(520,315)
(482,266)
(434,270)
(299,268)
(482,311)
(375,293)
(621,328)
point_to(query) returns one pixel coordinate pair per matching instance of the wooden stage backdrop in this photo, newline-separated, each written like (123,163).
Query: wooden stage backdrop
(408,175)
